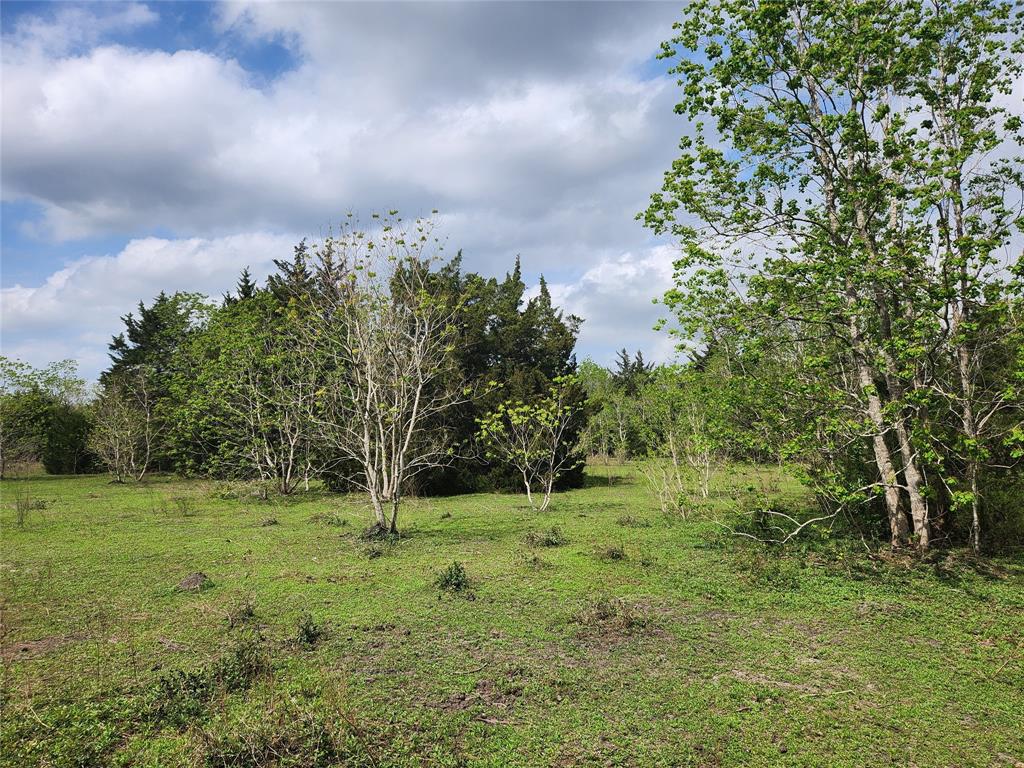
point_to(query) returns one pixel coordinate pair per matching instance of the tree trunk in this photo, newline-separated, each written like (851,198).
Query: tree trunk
(898,528)
(914,482)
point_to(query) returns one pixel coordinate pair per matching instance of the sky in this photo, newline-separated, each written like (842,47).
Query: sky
(166,146)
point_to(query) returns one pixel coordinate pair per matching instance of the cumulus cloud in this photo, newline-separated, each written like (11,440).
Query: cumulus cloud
(76,310)
(531,126)
(615,296)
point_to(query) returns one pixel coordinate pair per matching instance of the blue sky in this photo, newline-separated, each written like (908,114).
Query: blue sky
(168,145)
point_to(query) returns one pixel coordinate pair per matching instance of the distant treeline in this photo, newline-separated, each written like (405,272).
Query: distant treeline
(228,389)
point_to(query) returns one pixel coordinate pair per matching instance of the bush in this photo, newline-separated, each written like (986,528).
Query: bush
(453,578)
(309,632)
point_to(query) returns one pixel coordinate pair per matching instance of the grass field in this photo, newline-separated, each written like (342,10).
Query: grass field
(621,638)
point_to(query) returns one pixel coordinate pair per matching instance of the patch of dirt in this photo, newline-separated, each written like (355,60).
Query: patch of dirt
(31,649)
(486,693)
(171,645)
(195,582)
(806,689)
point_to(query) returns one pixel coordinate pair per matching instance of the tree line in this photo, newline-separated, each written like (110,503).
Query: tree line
(368,361)
(849,299)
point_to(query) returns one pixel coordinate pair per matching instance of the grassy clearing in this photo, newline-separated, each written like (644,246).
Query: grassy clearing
(597,633)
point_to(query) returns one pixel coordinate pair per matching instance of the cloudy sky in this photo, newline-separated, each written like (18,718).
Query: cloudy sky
(168,145)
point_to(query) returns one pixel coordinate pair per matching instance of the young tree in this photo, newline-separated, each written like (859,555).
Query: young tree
(126,429)
(533,437)
(386,342)
(682,410)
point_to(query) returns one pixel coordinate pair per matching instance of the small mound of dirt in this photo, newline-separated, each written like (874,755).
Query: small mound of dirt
(377,532)
(195,582)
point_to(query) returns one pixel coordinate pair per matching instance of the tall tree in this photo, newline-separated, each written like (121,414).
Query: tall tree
(805,215)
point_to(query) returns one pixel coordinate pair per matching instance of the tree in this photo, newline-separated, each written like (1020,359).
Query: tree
(501,336)
(126,427)
(387,344)
(684,413)
(152,341)
(41,416)
(809,229)
(247,390)
(532,437)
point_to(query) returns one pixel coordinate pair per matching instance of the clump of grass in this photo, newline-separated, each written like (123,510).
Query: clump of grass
(629,521)
(612,553)
(454,579)
(549,538)
(309,633)
(227,490)
(605,613)
(536,562)
(184,506)
(241,614)
(330,519)
(181,696)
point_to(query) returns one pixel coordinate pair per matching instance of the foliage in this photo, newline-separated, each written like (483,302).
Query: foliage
(534,437)
(842,205)
(42,417)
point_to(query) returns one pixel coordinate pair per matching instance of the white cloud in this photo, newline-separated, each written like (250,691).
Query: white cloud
(76,310)
(528,125)
(615,296)
(73,27)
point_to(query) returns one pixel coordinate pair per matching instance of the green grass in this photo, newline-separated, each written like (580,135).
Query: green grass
(313,647)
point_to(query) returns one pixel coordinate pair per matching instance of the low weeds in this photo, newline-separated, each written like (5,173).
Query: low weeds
(606,613)
(184,506)
(770,569)
(242,614)
(182,696)
(23,505)
(548,538)
(309,633)
(287,732)
(454,579)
